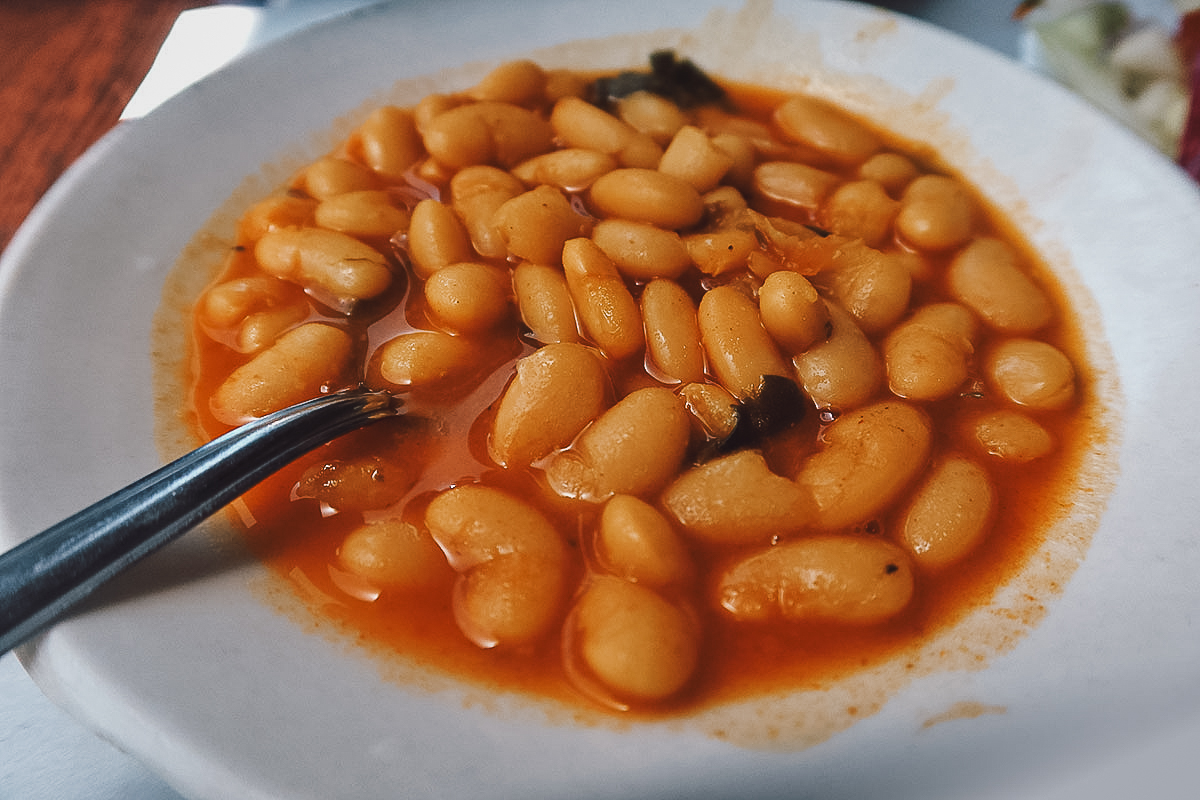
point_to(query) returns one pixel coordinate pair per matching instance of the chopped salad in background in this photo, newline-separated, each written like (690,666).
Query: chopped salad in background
(1144,72)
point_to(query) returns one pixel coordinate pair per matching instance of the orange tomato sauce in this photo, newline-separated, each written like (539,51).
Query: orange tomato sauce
(445,437)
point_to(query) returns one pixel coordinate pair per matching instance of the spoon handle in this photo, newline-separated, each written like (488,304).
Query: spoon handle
(46,575)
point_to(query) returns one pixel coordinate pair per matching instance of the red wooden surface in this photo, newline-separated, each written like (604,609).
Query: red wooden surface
(67,69)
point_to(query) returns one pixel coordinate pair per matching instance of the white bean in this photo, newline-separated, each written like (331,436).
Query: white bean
(844,579)
(633,641)
(844,371)
(512,564)
(792,311)
(606,310)
(737,499)
(637,543)
(1009,436)
(987,277)
(828,130)
(557,391)
(646,195)
(469,297)
(928,355)
(739,349)
(635,447)
(672,332)
(873,286)
(338,269)
(422,359)
(301,364)
(869,456)
(545,302)
(1031,373)
(394,555)
(949,513)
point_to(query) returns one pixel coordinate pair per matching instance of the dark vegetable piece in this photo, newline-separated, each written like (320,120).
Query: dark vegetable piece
(680,81)
(778,405)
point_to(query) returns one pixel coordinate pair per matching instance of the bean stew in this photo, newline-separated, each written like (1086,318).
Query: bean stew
(711,393)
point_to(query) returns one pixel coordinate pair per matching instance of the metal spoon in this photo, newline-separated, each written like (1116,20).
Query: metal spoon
(42,578)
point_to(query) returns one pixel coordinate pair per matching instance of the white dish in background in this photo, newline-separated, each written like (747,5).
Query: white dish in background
(183,664)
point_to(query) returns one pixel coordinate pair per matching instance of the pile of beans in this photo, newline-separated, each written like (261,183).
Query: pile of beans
(580,304)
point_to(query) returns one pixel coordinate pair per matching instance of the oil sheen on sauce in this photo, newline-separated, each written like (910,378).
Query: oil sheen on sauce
(739,663)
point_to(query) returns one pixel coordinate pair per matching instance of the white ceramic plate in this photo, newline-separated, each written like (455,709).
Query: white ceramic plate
(181,661)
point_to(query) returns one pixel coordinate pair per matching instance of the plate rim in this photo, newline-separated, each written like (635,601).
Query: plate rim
(43,217)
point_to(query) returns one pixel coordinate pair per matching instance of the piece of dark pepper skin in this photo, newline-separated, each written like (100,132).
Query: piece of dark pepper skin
(776,406)
(678,80)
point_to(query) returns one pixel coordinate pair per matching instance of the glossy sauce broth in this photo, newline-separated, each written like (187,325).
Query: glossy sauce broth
(444,443)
